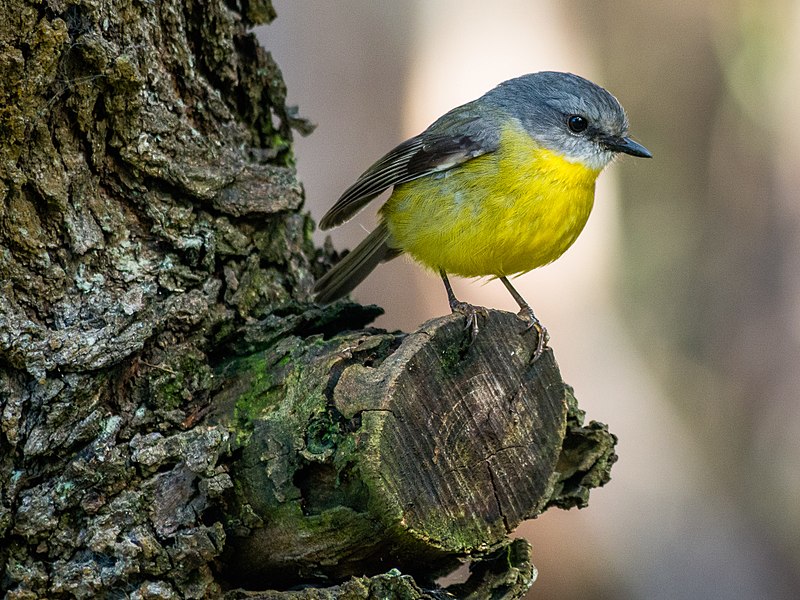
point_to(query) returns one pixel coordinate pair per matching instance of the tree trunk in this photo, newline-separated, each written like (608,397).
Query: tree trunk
(178,420)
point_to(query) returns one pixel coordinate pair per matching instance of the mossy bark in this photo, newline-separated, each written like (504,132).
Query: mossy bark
(170,398)
(149,207)
(372,449)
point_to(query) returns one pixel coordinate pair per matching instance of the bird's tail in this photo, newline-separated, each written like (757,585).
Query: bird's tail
(355,266)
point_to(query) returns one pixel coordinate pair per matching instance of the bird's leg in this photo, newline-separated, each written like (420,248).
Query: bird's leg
(526,312)
(466,309)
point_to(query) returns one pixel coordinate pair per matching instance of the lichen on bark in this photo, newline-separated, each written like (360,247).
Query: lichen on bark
(149,208)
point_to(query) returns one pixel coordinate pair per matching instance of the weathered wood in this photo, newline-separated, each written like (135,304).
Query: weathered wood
(505,575)
(414,450)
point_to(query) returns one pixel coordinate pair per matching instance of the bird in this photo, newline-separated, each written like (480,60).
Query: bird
(494,188)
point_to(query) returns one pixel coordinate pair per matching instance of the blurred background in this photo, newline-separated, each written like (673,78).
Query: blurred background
(676,315)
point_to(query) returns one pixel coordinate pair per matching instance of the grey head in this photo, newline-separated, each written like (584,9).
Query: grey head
(569,115)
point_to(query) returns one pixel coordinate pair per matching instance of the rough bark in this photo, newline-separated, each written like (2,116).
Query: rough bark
(148,208)
(171,399)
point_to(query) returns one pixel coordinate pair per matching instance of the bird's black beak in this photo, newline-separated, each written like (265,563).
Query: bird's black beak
(626,145)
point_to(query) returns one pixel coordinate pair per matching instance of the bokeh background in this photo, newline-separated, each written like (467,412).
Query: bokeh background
(676,315)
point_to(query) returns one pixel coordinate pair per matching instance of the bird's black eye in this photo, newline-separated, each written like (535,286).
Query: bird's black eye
(577,123)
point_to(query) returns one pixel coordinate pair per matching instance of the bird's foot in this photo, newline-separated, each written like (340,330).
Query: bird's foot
(471,313)
(541,332)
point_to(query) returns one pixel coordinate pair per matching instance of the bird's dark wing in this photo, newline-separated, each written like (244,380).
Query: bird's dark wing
(455,138)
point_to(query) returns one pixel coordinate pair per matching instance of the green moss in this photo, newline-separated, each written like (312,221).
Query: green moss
(273,384)
(281,145)
(177,377)
(324,433)
(260,395)
(451,358)
(346,449)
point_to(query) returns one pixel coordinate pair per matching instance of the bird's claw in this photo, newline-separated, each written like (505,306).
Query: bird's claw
(471,313)
(541,332)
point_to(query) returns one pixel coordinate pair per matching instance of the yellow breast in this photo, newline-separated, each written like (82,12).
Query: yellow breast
(499,214)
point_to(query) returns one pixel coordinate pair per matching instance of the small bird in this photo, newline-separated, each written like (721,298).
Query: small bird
(496,187)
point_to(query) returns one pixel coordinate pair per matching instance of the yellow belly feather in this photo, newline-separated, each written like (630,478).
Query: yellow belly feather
(499,214)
